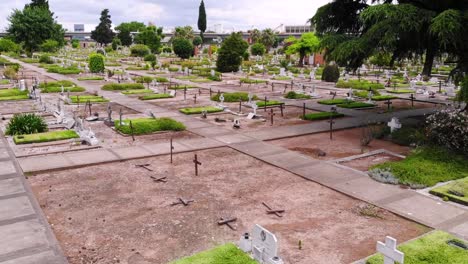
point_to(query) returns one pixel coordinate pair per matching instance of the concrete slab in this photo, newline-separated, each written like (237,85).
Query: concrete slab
(201,143)
(194,124)
(211,131)
(4,153)
(257,148)
(22,235)
(426,210)
(289,160)
(91,157)
(6,167)
(132,152)
(326,174)
(164,148)
(45,257)
(233,138)
(461,230)
(11,186)
(15,207)
(43,163)
(368,189)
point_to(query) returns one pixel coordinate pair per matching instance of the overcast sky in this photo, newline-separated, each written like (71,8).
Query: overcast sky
(233,14)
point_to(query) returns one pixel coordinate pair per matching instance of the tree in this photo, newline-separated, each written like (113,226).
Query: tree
(255,35)
(116,43)
(151,37)
(381,59)
(257,49)
(307,44)
(230,53)
(32,26)
(197,41)
(124,31)
(268,38)
(38,3)
(7,45)
(182,47)
(103,33)
(462,95)
(50,45)
(139,50)
(184,32)
(96,63)
(202,19)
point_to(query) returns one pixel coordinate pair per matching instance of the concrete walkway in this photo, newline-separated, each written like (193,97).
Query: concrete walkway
(26,237)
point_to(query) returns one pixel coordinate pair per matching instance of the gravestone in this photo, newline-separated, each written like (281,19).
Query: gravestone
(390,252)
(370,94)
(350,95)
(22,85)
(313,93)
(254,113)
(213,73)
(394,124)
(262,245)
(282,72)
(250,95)
(172,93)
(312,74)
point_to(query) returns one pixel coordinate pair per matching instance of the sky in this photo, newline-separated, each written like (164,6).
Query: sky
(234,15)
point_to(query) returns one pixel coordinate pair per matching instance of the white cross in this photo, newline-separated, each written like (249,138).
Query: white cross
(390,252)
(394,124)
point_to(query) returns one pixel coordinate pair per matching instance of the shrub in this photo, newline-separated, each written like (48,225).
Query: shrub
(407,136)
(60,70)
(257,49)
(139,50)
(150,57)
(155,96)
(96,63)
(22,124)
(449,128)
(197,41)
(116,43)
(123,86)
(75,43)
(166,49)
(321,116)
(50,45)
(182,47)
(45,59)
(10,73)
(360,85)
(268,103)
(199,110)
(351,104)
(333,101)
(331,73)
(85,98)
(294,95)
(7,45)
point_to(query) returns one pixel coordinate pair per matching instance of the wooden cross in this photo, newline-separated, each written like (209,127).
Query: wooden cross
(240,106)
(331,125)
(281,109)
(199,91)
(195,99)
(278,213)
(131,130)
(412,100)
(171,149)
(271,114)
(227,222)
(211,92)
(304,110)
(185,93)
(196,162)
(388,103)
(144,166)
(333,94)
(265,106)
(183,202)
(162,179)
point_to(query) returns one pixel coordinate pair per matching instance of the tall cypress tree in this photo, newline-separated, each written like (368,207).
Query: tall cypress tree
(202,19)
(103,33)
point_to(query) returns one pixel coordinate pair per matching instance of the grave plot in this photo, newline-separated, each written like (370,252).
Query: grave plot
(263,119)
(120,211)
(401,105)
(185,99)
(345,143)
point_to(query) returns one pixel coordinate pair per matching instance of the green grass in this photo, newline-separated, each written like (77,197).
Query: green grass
(182,87)
(351,105)
(383,97)
(4,82)
(282,78)
(269,103)
(155,96)
(45,137)
(63,83)
(199,110)
(132,68)
(449,190)
(233,97)
(187,78)
(252,81)
(14,98)
(321,116)
(225,254)
(12,92)
(428,166)
(149,79)
(143,91)
(123,86)
(400,91)
(201,80)
(92,78)
(333,101)
(294,95)
(359,85)
(142,126)
(64,71)
(429,249)
(86,98)
(59,89)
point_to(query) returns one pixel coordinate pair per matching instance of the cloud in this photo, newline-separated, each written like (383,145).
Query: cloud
(238,15)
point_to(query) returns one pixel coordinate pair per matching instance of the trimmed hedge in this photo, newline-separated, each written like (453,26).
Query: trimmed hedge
(199,110)
(144,91)
(294,95)
(234,97)
(45,137)
(333,101)
(142,126)
(359,85)
(86,98)
(356,105)
(269,103)
(252,81)
(155,96)
(321,116)
(123,86)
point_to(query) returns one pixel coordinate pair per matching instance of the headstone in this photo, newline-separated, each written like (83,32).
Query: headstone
(22,85)
(89,137)
(350,94)
(413,84)
(370,94)
(390,252)
(172,93)
(262,245)
(394,124)
(282,72)
(213,73)
(250,98)
(312,73)
(236,124)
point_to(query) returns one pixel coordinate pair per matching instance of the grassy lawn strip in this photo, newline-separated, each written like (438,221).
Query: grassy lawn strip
(333,101)
(269,103)
(142,126)
(359,85)
(199,110)
(155,96)
(452,190)
(92,78)
(233,97)
(148,79)
(65,71)
(187,78)
(294,95)
(428,166)
(4,82)
(14,97)
(183,86)
(321,116)
(201,80)
(252,81)
(282,78)
(432,248)
(45,137)
(73,89)
(355,105)
(123,86)
(12,92)
(144,91)
(383,97)
(85,98)
(227,253)
(400,91)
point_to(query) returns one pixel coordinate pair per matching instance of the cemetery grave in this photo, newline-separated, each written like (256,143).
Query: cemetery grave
(106,197)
